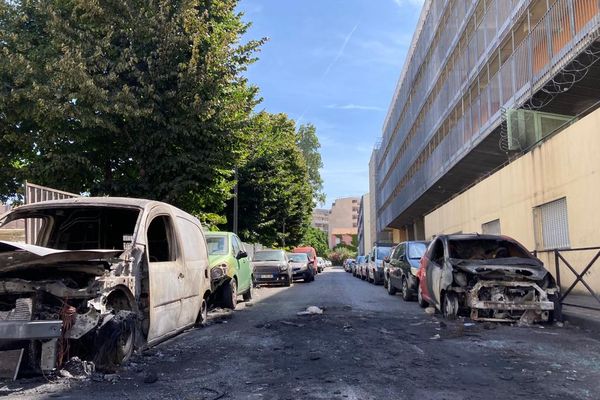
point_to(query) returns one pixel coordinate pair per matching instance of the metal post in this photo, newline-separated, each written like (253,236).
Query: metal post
(235,201)
(558,301)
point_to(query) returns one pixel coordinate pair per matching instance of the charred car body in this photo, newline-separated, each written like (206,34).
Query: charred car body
(489,277)
(106,275)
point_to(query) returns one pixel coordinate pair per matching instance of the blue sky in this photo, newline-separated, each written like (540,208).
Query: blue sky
(335,64)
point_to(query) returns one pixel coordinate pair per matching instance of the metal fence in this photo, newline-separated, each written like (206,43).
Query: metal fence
(35,194)
(571,272)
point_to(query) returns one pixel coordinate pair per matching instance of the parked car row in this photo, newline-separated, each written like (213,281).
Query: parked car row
(110,275)
(484,277)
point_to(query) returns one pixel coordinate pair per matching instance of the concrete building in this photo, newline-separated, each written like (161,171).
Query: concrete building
(491,128)
(320,219)
(343,220)
(364,225)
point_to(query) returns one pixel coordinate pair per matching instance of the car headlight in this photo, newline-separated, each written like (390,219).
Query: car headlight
(219,271)
(283,267)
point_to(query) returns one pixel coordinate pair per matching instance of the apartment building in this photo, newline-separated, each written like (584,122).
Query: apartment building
(343,220)
(320,219)
(491,125)
(364,225)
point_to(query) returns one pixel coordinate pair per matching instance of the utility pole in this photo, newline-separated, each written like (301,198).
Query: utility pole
(235,201)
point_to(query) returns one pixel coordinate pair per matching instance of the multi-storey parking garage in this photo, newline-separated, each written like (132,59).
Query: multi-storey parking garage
(471,65)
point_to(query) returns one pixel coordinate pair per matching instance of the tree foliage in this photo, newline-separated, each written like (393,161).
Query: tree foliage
(316,238)
(340,254)
(275,196)
(125,97)
(309,144)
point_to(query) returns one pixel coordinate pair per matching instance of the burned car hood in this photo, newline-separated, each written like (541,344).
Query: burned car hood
(19,255)
(508,267)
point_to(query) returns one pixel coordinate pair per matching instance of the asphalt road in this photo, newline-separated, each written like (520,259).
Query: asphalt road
(366,345)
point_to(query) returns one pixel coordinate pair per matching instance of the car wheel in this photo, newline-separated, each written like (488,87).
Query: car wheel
(248,295)
(115,341)
(406,296)
(450,305)
(390,288)
(288,282)
(229,294)
(202,314)
(420,299)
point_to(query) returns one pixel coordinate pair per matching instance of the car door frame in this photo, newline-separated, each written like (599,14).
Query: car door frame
(165,280)
(243,271)
(434,272)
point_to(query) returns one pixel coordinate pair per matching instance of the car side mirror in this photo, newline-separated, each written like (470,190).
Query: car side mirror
(386,259)
(372,258)
(241,254)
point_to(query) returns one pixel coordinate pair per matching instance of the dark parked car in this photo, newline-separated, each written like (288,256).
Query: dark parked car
(401,269)
(489,277)
(272,266)
(301,267)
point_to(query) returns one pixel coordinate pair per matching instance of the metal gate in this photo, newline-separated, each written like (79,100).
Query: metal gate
(35,194)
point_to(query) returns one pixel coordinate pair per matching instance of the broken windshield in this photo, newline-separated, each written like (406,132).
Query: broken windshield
(80,228)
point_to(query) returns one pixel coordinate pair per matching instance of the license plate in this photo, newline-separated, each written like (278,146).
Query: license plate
(265,276)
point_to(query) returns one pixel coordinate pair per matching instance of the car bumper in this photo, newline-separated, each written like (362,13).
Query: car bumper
(264,277)
(378,275)
(301,273)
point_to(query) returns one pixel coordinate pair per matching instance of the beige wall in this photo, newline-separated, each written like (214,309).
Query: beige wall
(367,222)
(567,165)
(343,217)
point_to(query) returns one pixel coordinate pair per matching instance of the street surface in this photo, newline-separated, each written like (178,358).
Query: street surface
(366,345)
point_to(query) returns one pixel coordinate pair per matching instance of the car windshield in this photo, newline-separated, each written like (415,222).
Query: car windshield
(485,249)
(416,250)
(269,255)
(298,257)
(383,252)
(80,227)
(217,245)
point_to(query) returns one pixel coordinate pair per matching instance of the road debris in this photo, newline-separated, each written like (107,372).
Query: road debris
(430,310)
(150,377)
(312,310)
(292,324)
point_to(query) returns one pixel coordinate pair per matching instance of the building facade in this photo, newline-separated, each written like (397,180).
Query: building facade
(343,220)
(320,219)
(484,80)
(364,225)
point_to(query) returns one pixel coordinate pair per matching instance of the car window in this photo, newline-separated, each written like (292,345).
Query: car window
(269,255)
(416,250)
(383,252)
(485,249)
(437,252)
(161,246)
(235,244)
(217,245)
(298,257)
(400,251)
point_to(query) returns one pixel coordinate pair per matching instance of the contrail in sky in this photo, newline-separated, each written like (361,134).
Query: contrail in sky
(340,52)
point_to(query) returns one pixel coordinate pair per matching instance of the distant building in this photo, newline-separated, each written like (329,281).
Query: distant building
(343,220)
(320,219)
(364,225)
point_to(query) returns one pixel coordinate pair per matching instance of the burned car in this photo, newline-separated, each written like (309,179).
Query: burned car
(106,276)
(488,277)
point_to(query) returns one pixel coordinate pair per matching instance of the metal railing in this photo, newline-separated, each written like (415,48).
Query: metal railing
(560,260)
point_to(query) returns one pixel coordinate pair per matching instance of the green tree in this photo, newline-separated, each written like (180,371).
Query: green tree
(275,196)
(340,254)
(316,238)
(309,144)
(125,97)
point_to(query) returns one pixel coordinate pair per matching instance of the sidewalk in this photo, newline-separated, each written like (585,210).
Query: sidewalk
(582,317)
